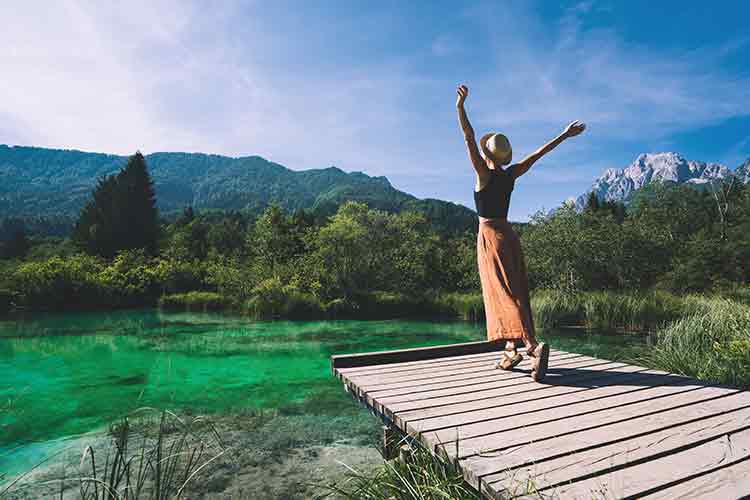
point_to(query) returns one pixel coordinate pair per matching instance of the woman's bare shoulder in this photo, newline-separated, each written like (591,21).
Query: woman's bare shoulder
(513,169)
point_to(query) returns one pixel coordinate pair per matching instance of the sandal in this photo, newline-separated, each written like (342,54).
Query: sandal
(539,362)
(509,362)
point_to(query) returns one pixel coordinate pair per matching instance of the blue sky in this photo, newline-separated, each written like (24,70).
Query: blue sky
(370,86)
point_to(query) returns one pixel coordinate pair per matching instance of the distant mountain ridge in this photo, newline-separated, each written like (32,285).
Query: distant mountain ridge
(618,185)
(52,182)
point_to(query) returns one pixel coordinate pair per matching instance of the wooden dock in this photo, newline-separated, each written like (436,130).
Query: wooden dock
(593,429)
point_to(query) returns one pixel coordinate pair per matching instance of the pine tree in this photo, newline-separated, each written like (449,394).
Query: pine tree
(121,214)
(94,230)
(136,207)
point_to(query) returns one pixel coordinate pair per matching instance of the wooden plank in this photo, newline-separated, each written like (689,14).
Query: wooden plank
(731,481)
(406,365)
(422,372)
(505,379)
(428,363)
(596,376)
(525,449)
(415,354)
(599,399)
(598,460)
(510,383)
(630,481)
(492,434)
(415,382)
(627,378)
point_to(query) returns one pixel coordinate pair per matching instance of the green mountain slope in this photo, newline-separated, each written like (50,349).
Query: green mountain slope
(40,182)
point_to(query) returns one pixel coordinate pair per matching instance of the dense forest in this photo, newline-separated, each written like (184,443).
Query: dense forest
(47,188)
(360,259)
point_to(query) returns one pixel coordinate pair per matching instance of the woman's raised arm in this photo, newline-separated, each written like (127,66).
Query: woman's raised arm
(572,130)
(471,143)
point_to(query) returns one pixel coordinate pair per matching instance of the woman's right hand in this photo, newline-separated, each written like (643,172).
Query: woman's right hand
(574,128)
(463,93)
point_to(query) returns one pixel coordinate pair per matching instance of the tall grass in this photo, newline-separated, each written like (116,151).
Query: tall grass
(146,458)
(421,477)
(646,311)
(712,343)
(272,299)
(552,309)
(467,306)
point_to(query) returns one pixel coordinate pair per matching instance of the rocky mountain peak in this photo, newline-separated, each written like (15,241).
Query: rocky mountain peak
(670,167)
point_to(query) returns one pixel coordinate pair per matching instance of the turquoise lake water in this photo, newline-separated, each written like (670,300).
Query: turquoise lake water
(66,374)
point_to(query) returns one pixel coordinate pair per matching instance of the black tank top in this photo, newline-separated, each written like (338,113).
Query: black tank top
(494,198)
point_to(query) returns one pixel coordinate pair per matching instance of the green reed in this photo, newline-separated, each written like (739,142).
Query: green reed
(711,342)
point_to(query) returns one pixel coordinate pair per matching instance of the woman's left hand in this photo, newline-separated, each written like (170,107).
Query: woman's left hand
(574,128)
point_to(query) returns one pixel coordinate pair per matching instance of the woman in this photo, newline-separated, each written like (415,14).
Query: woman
(502,271)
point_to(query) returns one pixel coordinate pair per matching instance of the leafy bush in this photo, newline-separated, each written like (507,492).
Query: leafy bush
(129,279)
(57,283)
(179,276)
(193,301)
(231,278)
(84,282)
(341,308)
(271,299)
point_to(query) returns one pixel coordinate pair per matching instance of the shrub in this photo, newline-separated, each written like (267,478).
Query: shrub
(179,276)
(57,283)
(232,278)
(267,299)
(271,299)
(129,279)
(341,308)
(301,305)
(193,301)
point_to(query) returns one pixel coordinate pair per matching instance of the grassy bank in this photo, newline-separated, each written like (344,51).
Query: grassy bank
(646,311)
(707,337)
(273,301)
(711,342)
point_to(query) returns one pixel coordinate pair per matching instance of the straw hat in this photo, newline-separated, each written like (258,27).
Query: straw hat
(496,147)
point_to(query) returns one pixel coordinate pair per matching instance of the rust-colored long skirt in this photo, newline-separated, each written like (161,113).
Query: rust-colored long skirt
(505,284)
